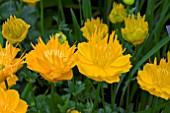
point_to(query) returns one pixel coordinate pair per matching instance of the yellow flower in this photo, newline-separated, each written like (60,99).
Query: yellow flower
(72,111)
(31,2)
(129,2)
(8,63)
(135,30)
(118,13)
(156,78)
(15,29)
(10,102)
(102,60)
(54,61)
(75,111)
(11,81)
(94,27)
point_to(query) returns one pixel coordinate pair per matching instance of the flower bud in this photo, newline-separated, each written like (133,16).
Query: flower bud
(129,2)
(135,30)
(15,30)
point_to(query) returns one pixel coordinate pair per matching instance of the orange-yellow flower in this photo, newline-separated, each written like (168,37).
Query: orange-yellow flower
(94,27)
(73,111)
(54,61)
(31,2)
(10,102)
(15,29)
(10,80)
(8,63)
(118,13)
(135,30)
(156,78)
(102,60)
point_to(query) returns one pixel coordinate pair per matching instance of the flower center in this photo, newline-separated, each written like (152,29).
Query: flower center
(101,55)
(163,76)
(53,55)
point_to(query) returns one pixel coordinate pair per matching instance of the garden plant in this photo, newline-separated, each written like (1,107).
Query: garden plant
(84,56)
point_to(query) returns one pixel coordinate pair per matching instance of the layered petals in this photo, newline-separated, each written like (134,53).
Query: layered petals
(102,60)
(118,13)
(10,102)
(155,78)
(94,27)
(54,61)
(15,29)
(136,29)
(9,65)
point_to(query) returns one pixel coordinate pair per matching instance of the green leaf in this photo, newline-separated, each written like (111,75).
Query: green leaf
(86,6)
(76,27)
(158,107)
(1,38)
(149,54)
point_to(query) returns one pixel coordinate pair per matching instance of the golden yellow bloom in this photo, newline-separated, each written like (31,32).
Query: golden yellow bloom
(118,13)
(156,78)
(31,2)
(10,102)
(129,2)
(8,63)
(54,61)
(11,81)
(135,30)
(75,111)
(102,60)
(15,29)
(72,111)
(94,27)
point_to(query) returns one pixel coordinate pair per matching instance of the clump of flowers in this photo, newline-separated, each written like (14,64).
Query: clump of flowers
(10,102)
(102,60)
(94,26)
(9,65)
(118,13)
(31,3)
(155,78)
(136,29)
(54,61)
(15,30)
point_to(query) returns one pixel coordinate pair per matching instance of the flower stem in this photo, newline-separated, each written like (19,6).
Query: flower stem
(33,96)
(103,99)
(96,99)
(20,46)
(6,84)
(52,102)
(113,95)
(42,17)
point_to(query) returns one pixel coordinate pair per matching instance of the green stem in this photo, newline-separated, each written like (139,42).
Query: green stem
(103,99)
(52,102)
(113,95)
(42,17)
(96,99)
(127,98)
(74,93)
(6,84)
(33,96)
(20,46)
(81,19)
(20,9)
